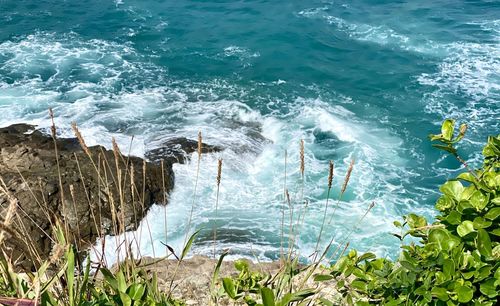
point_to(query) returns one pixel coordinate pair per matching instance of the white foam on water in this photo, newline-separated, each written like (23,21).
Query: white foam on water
(376,34)
(251,192)
(470,72)
(108,99)
(471,69)
(239,52)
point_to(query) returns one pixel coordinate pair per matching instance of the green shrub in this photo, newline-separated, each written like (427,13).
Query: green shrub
(458,258)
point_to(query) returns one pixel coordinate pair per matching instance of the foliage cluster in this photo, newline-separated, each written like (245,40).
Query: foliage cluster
(458,258)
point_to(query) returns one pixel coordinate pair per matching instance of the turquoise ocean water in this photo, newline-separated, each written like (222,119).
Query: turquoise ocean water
(355,79)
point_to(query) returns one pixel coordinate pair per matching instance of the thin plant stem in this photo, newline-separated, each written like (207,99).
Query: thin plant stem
(165,227)
(219,174)
(188,227)
(330,179)
(283,209)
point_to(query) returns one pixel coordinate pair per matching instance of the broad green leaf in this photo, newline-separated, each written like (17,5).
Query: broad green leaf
(408,265)
(229,287)
(367,256)
(415,221)
(483,273)
(496,252)
(488,288)
(463,206)
(465,228)
(241,265)
(453,189)
(466,176)
(136,291)
(493,213)
(447,129)
(342,264)
(443,239)
(468,275)
(448,268)
(440,293)
(377,264)
(444,203)
(125,299)
(454,217)
(467,192)
(267,296)
(464,294)
(483,243)
(359,273)
(478,200)
(322,277)
(358,284)
(481,223)
(492,148)
(440,278)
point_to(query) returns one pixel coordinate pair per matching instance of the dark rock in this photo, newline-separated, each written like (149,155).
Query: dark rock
(178,149)
(92,195)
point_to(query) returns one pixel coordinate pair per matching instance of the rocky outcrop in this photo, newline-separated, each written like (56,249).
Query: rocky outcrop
(178,149)
(92,193)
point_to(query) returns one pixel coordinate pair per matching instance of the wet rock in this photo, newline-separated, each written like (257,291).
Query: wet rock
(178,149)
(92,195)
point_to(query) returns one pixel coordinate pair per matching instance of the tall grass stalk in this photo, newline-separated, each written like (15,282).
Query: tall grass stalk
(283,208)
(294,228)
(219,175)
(73,200)
(53,133)
(44,209)
(98,225)
(343,189)
(164,191)
(11,210)
(330,179)
(143,208)
(302,183)
(199,148)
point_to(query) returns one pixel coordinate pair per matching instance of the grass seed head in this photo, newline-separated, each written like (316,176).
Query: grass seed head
(347,177)
(80,138)
(200,139)
(116,149)
(302,162)
(330,175)
(53,125)
(219,171)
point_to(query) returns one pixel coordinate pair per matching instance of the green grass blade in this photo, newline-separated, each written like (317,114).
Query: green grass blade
(188,245)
